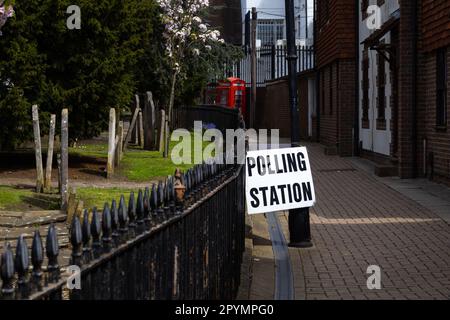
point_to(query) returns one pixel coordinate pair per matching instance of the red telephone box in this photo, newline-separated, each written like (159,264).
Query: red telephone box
(231,93)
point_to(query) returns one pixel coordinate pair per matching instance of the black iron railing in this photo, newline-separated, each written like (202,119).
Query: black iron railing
(271,64)
(222,117)
(161,245)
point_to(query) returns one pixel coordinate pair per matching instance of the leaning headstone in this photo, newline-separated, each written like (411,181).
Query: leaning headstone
(130,129)
(37,149)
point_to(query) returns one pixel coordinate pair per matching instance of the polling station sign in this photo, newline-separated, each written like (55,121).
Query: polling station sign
(278,179)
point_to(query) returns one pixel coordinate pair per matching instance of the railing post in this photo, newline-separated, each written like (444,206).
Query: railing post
(52,249)
(7,273)
(37,258)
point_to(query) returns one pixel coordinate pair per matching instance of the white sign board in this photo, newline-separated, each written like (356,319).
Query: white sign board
(278,179)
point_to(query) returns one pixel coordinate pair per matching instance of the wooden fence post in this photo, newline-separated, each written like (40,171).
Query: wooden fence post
(64,157)
(51,142)
(111,143)
(37,148)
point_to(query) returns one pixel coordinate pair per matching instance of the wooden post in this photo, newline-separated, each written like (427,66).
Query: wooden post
(51,142)
(71,206)
(162,126)
(141,130)
(111,143)
(64,158)
(58,161)
(130,129)
(37,149)
(119,143)
(149,122)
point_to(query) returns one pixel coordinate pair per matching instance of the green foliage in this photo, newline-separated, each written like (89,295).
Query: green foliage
(117,52)
(197,71)
(88,70)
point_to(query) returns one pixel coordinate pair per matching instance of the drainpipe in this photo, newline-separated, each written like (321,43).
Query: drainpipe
(356,112)
(414,90)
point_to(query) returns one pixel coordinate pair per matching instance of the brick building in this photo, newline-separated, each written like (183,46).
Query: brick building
(383,84)
(335,64)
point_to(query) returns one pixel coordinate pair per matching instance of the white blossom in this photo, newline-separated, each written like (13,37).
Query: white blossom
(6,12)
(184,29)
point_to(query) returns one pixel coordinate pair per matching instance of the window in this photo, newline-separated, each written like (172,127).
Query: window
(365,89)
(269,31)
(381,99)
(441,87)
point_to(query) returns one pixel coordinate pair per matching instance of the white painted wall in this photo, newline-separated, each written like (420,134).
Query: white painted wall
(372,139)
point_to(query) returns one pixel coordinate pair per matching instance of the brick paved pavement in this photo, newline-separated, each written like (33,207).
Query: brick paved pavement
(359,221)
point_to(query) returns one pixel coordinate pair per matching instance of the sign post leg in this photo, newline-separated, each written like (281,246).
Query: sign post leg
(299,229)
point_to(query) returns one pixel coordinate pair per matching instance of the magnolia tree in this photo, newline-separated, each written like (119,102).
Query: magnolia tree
(6,11)
(185,34)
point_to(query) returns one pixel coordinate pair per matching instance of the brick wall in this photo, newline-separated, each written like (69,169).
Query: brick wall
(337,105)
(346,105)
(435,24)
(336,31)
(274,112)
(438,139)
(406,98)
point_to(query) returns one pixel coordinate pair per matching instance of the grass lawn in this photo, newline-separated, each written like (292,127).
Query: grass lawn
(90,150)
(137,165)
(12,198)
(96,197)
